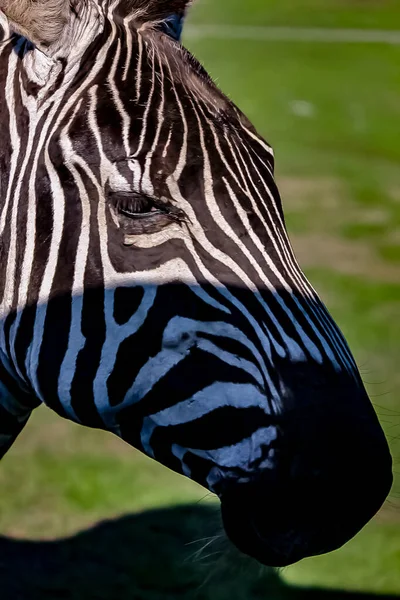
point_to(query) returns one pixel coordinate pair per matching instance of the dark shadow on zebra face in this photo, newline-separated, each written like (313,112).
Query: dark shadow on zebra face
(161,299)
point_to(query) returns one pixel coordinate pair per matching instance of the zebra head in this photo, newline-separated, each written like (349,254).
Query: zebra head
(149,286)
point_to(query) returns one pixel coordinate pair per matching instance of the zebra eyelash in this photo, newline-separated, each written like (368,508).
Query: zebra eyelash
(134,206)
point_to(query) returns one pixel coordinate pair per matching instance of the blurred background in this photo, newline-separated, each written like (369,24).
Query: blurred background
(320,79)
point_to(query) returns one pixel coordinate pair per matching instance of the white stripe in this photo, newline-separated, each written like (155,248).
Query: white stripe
(8,292)
(125,118)
(164,154)
(174,178)
(302,282)
(147,185)
(217,255)
(30,239)
(147,111)
(243,455)
(58,213)
(13,130)
(139,68)
(175,350)
(46,132)
(225,227)
(129,46)
(217,395)
(76,339)
(293,34)
(231,359)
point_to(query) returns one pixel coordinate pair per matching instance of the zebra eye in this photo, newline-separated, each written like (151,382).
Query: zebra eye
(136,214)
(137,207)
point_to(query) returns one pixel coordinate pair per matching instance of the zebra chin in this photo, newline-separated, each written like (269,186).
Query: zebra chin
(330,477)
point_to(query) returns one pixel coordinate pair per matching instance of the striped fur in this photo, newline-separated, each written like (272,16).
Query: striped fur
(189,330)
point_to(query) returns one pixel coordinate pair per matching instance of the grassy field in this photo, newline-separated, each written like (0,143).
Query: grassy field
(332,113)
(369,14)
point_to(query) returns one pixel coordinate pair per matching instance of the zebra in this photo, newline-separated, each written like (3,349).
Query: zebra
(148,285)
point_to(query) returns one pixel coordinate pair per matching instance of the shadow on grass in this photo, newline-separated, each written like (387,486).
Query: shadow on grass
(147,556)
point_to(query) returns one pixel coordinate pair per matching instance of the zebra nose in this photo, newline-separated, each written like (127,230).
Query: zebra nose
(256,532)
(281,528)
(323,490)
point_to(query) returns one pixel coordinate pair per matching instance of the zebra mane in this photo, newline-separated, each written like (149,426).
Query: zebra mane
(43,21)
(158,10)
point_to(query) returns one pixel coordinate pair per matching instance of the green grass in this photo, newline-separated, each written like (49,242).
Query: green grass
(370,562)
(332,113)
(364,14)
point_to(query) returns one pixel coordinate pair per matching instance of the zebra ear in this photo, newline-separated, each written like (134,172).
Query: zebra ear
(40,21)
(148,11)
